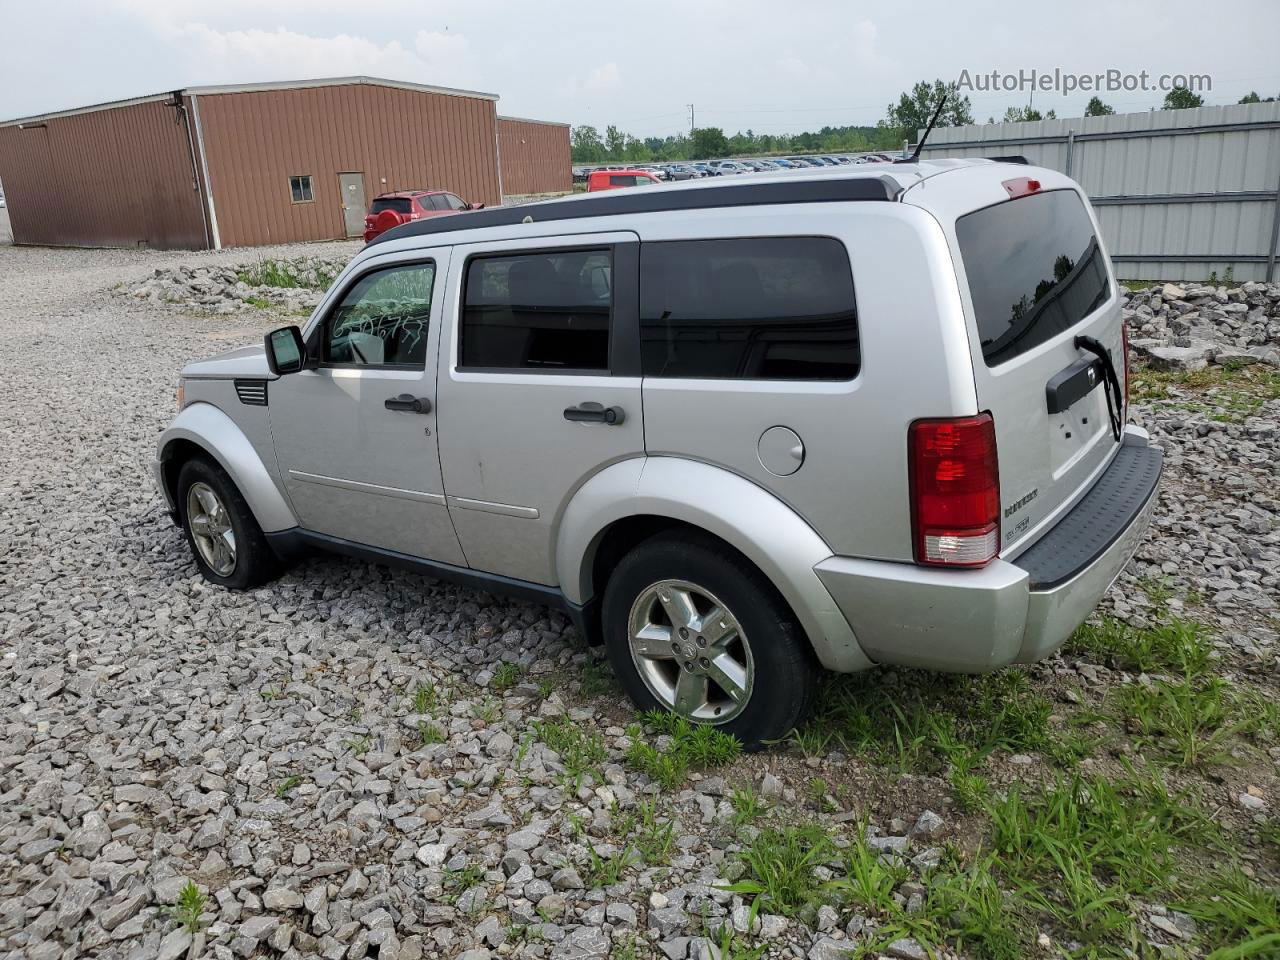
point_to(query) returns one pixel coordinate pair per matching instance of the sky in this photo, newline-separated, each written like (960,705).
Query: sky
(775,66)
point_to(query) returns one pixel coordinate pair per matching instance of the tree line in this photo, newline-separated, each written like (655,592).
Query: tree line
(909,114)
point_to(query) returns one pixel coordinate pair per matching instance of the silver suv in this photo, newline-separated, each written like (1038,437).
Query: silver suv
(737,430)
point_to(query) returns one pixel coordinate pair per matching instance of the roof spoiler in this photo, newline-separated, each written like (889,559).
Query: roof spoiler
(1012,158)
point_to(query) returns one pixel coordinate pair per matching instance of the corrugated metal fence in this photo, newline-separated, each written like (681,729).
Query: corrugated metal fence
(1180,193)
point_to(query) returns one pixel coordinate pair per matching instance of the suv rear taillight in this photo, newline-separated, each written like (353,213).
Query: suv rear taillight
(955,491)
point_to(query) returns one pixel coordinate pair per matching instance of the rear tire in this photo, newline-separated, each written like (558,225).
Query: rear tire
(225,539)
(691,626)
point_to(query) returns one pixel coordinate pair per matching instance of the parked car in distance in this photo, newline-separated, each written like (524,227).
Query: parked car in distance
(678,171)
(733,168)
(618,179)
(704,169)
(389,210)
(640,416)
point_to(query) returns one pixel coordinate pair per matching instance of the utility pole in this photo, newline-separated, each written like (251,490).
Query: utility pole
(691,124)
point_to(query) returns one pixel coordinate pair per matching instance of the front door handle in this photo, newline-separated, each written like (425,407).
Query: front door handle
(594,413)
(408,403)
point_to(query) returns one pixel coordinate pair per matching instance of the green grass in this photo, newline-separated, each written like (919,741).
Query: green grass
(581,749)
(289,274)
(606,871)
(1241,915)
(359,745)
(923,722)
(427,699)
(186,910)
(782,870)
(287,784)
(1229,393)
(1190,721)
(1175,645)
(458,882)
(597,680)
(747,806)
(691,745)
(870,880)
(506,676)
(429,733)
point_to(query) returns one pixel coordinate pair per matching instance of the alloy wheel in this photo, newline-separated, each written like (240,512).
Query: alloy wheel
(211,529)
(691,651)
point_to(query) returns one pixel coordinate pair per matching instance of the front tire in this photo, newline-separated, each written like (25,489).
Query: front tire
(691,626)
(225,539)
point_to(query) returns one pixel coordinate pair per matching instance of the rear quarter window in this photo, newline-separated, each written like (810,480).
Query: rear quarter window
(760,308)
(1035,270)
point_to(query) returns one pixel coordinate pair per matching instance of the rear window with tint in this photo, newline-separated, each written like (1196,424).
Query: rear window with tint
(396,204)
(1035,270)
(764,308)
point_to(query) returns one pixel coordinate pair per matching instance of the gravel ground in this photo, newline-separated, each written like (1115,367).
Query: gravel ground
(349,762)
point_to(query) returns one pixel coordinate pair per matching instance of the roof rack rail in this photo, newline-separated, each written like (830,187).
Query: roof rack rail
(649,200)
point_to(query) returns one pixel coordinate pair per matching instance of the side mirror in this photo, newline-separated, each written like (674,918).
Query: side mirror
(286,353)
(475,206)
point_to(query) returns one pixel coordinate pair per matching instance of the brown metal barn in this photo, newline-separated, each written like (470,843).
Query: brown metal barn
(534,156)
(212,167)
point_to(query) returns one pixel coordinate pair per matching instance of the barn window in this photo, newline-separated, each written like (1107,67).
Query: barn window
(300,188)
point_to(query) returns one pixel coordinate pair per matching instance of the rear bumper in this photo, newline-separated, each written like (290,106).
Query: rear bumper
(1010,611)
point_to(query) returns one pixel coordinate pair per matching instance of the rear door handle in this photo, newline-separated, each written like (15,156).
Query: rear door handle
(595,413)
(408,403)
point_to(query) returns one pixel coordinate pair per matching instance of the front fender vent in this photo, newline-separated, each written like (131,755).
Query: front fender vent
(252,392)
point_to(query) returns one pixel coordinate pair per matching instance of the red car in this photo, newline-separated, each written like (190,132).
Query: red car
(392,209)
(617,179)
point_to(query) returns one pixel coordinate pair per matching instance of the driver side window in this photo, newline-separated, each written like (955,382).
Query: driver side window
(383,319)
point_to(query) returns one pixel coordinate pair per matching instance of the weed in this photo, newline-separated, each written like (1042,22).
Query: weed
(1084,848)
(782,866)
(186,910)
(1186,720)
(429,733)
(1178,645)
(625,948)
(597,680)
(283,273)
(692,744)
(654,839)
(1240,911)
(546,688)
(506,676)
(426,699)
(918,724)
(725,945)
(668,770)
(457,882)
(746,804)
(360,745)
(581,750)
(262,303)
(486,710)
(287,784)
(869,880)
(818,793)
(978,912)
(606,871)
